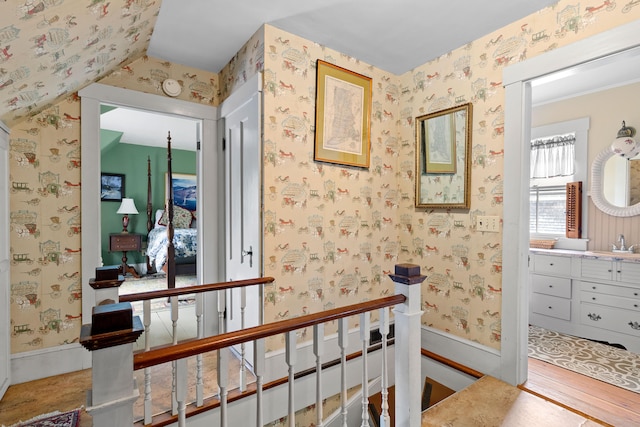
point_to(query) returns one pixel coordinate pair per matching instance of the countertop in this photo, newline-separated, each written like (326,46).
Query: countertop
(605,255)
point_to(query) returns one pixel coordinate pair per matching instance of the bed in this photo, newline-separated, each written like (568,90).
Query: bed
(172,236)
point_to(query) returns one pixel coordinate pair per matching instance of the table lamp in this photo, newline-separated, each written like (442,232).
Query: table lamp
(127,207)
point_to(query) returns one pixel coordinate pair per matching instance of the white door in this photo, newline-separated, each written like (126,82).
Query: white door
(242,213)
(5,352)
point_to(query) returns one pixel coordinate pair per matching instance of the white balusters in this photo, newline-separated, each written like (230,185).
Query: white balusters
(174,337)
(259,368)
(181,391)
(199,358)
(365,326)
(148,403)
(343,341)
(223,384)
(318,350)
(243,364)
(291,358)
(385,419)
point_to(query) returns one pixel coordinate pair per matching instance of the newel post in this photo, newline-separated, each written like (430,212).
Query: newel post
(110,339)
(408,381)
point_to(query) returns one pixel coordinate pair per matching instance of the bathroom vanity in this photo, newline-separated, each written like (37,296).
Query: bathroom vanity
(587,294)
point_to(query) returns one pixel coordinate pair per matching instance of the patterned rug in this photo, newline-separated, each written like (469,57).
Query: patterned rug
(154,282)
(54,419)
(596,360)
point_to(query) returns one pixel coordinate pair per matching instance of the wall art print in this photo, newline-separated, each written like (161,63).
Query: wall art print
(343,116)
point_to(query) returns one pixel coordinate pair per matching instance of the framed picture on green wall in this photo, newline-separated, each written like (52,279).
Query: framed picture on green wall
(111,187)
(184,190)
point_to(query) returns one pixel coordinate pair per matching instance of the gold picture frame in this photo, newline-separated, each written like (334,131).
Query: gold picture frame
(343,116)
(443,158)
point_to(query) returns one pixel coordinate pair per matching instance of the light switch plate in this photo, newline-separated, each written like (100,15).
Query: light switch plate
(490,223)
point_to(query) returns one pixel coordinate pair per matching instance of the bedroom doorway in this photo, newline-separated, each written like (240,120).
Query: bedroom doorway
(133,148)
(208,161)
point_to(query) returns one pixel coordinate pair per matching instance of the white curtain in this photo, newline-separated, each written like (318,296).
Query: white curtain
(553,156)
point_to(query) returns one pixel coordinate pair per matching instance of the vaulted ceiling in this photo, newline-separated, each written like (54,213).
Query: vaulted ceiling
(49,49)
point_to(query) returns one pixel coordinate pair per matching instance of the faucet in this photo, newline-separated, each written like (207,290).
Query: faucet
(622,247)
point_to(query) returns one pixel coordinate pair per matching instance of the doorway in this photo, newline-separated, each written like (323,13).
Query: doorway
(208,164)
(518,103)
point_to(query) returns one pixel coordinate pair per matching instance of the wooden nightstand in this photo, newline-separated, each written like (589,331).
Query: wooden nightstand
(125,242)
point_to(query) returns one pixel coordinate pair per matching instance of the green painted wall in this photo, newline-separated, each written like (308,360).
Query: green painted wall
(131,160)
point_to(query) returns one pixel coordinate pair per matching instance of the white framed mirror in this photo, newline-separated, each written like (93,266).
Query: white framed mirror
(606,203)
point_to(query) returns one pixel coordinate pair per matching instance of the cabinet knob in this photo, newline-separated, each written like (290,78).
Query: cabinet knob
(550,263)
(619,271)
(593,287)
(550,308)
(609,270)
(635,294)
(593,298)
(635,305)
(551,286)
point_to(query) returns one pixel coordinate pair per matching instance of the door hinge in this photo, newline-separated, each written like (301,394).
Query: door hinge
(224,144)
(198,145)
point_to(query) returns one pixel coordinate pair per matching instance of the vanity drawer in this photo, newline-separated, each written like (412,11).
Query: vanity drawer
(630,272)
(613,319)
(610,300)
(597,269)
(551,285)
(551,306)
(553,265)
(600,288)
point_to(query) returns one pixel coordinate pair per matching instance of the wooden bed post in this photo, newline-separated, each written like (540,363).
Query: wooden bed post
(150,219)
(171,251)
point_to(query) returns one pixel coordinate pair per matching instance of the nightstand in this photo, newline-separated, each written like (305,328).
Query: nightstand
(125,242)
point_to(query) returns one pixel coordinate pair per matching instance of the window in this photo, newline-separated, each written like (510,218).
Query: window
(547,209)
(547,194)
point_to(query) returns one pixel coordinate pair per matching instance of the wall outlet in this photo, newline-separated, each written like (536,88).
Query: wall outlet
(490,223)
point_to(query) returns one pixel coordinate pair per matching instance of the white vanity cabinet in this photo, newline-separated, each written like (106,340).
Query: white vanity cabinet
(586,296)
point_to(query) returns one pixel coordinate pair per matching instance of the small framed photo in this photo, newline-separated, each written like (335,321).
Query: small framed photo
(111,187)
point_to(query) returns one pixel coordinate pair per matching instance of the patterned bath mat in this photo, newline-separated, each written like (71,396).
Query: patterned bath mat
(54,419)
(600,361)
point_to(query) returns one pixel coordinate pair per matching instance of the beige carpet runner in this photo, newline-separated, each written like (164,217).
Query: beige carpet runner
(600,361)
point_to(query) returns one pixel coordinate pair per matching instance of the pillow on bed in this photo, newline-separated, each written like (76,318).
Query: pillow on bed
(181,217)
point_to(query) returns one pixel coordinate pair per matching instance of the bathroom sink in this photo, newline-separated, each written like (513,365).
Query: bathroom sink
(625,255)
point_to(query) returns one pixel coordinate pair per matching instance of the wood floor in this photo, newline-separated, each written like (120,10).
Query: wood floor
(593,399)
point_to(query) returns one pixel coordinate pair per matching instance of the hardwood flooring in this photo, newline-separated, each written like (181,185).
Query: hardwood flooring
(591,398)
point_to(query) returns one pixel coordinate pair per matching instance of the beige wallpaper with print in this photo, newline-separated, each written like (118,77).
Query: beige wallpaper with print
(44,161)
(50,49)
(331,233)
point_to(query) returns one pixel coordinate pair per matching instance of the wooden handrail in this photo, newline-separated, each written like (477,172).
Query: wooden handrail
(165,293)
(193,347)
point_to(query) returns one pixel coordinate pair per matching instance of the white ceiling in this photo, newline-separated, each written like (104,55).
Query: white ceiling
(393,35)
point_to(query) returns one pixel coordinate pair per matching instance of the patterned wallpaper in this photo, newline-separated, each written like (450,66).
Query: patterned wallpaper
(49,49)
(44,158)
(331,233)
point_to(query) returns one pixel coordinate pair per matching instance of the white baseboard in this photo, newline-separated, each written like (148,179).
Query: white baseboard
(33,365)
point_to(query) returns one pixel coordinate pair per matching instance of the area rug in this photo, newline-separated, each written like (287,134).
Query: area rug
(153,283)
(603,362)
(54,419)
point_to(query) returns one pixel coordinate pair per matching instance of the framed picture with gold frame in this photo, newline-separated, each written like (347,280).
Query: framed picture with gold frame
(443,158)
(343,116)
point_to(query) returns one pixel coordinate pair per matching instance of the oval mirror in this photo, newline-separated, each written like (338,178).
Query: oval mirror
(607,173)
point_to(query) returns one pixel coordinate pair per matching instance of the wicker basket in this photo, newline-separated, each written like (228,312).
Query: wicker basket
(542,244)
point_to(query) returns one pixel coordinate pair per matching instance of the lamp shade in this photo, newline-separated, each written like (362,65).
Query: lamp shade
(127,207)
(624,145)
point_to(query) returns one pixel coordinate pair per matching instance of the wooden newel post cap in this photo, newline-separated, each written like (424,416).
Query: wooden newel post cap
(106,277)
(408,274)
(112,324)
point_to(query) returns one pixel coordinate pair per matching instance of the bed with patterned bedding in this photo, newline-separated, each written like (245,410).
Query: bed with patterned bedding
(185,241)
